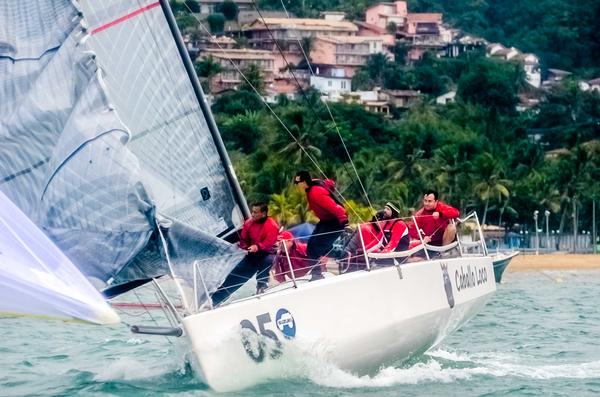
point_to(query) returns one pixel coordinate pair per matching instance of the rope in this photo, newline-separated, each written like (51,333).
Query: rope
(308,155)
(304,95)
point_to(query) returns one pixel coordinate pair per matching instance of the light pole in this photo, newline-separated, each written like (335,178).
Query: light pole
(537,233)
(547,215)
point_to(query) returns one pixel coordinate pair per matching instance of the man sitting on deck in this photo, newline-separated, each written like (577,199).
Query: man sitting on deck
(296,250)
(433,221)
(258,237)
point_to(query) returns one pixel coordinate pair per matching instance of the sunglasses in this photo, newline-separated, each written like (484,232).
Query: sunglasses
(296,181)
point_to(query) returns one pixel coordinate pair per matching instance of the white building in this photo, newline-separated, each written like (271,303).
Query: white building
(446,98)
(332,84)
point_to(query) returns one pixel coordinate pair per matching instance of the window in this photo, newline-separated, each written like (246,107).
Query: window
(329,83)
(343,85)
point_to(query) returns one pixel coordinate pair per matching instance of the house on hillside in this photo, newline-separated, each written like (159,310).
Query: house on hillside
(367,29)
(288,33)
(401,99)
(333,83)
(554,78)
(463,43)
(372,101)
(230,77)
(246,17)
(446,98)
(530,62)
(424,32)
(383,14)
(594,84)
(344,52)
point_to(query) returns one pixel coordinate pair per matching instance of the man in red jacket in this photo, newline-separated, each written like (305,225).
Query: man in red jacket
(297,257)
(395,230)
(332,219)
(433,221)
(258,238)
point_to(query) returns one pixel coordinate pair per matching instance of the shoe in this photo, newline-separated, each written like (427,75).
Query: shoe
(316,276)
(261,289)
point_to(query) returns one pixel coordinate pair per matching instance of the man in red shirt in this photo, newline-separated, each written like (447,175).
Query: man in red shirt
(258,238)
(433,221)
(332,219)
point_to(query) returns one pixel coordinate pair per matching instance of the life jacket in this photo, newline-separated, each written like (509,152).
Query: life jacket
(328,184)
(387,233)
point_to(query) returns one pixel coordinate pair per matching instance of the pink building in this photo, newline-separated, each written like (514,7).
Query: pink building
(289,32)
(383,14)
(367,29)
(423,24)
(230,77)
(344,52)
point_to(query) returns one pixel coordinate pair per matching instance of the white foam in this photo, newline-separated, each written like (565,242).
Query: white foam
(127,368)
(480,364)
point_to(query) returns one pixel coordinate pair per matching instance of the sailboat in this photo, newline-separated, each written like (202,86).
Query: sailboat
(108,145)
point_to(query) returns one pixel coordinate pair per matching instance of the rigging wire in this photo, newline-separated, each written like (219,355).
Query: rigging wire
(291,134)
(304,94)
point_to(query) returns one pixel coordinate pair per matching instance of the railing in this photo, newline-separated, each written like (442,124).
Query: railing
(291,266)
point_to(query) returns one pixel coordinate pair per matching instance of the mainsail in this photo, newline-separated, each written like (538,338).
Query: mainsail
(104,138)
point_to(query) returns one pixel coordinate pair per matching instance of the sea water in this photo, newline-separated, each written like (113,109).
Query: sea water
(538,336)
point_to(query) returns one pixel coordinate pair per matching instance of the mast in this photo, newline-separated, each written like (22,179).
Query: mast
(210,121)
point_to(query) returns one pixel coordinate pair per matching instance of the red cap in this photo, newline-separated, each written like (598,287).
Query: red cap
(285,235)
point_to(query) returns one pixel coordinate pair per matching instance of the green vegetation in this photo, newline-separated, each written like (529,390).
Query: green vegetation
(216,23)
(564,34)
(479,152)
(476,152)
(229,9)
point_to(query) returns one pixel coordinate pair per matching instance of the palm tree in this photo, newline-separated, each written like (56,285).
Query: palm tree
(491,184)
(306,46)
(282,208)
(254,79)
(300,151)
(208,67)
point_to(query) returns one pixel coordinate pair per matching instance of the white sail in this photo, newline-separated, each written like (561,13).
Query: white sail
(103,134)
(37,279)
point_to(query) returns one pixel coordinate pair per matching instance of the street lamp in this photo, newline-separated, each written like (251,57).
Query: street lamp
(537,233)
(547,215)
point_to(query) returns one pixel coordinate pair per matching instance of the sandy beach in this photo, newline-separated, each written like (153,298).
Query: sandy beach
(555,261)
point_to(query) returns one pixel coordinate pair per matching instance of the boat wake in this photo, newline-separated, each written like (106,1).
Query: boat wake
(442,366)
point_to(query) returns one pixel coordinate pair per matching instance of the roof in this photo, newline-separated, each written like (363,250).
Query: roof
(424,17)
(301,24)
(402,93)
(221,40)
(370,26)
(559,72)
(594,81)
(376,103)
(329,77)
(350,39)
(240,53)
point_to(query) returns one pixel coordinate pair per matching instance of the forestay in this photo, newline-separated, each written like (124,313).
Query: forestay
(102,136)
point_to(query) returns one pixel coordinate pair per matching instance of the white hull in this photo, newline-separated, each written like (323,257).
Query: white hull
(361,320)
